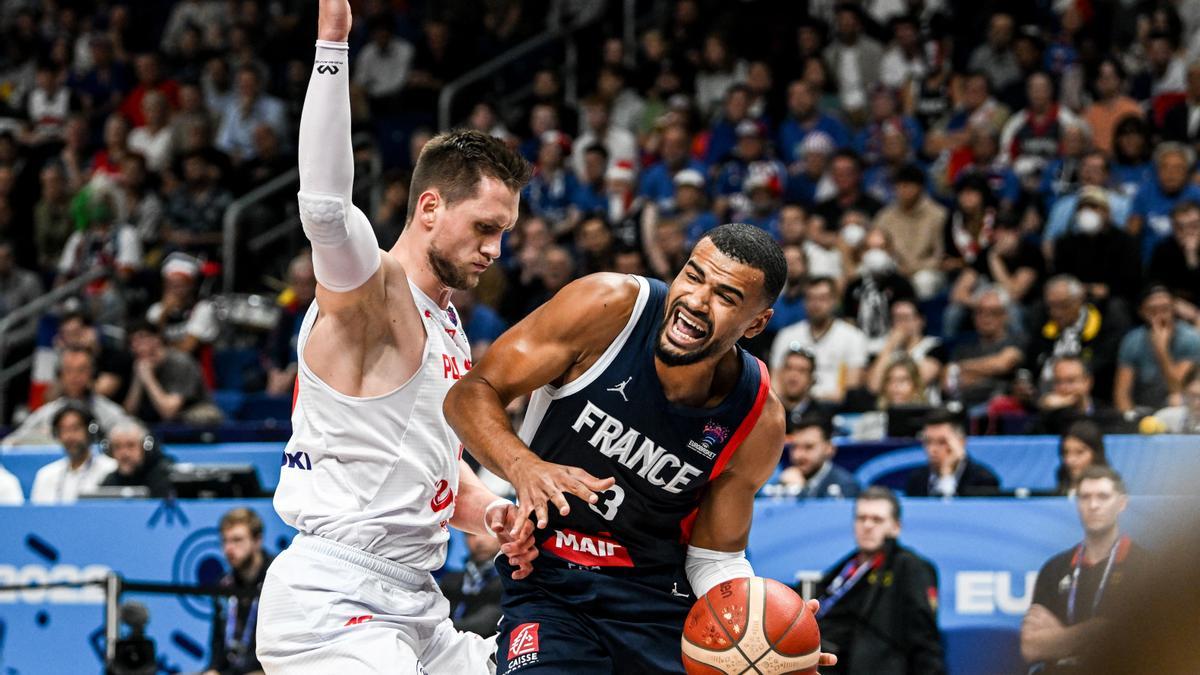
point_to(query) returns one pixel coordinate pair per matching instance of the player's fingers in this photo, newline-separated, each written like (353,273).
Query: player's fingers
(827,659)
(496,518)
(525,507)
(582,491)
(593,483)
(813,606)
(543,517)
(561,502)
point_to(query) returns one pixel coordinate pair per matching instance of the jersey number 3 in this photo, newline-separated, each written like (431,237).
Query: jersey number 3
(607,506)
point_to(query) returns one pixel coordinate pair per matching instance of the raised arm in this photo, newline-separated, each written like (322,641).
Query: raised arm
(558,339)
(345,252)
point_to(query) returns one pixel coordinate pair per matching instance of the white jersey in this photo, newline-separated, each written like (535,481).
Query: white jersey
(379,473)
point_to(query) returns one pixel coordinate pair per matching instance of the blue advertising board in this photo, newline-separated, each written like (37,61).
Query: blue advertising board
(987,553)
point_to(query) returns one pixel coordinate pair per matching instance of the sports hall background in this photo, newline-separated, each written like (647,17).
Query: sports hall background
(147,171)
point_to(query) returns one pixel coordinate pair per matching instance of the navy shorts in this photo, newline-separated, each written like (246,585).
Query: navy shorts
(584,622)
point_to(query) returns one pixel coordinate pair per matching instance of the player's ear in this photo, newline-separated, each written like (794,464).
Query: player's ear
(427,206)
(759,324)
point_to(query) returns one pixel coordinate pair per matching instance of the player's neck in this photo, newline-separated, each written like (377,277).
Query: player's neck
(1097,546)
(695,385)
(412,257)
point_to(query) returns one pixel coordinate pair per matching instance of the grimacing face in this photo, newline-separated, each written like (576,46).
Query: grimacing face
(466,234)
(713,302)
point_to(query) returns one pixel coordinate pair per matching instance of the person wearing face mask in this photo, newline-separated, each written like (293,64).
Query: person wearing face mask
(869,297)
(1103,257)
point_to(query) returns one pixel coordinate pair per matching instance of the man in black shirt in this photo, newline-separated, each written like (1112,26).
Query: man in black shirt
(235,619)
(950,471)
(879,604)
(139,462)
(1074,588)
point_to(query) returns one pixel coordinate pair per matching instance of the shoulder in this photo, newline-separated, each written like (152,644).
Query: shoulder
(607,290)
(905,557)
(980,470)
(1056,562)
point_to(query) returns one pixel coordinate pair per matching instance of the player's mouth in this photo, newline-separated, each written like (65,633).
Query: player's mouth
(686,329)
(480,267)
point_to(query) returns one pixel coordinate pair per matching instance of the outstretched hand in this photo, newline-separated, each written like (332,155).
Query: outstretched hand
(539,483)
(334,20)
(515,533)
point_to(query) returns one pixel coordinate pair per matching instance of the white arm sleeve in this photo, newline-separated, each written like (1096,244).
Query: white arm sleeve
(345,251)
(706,568)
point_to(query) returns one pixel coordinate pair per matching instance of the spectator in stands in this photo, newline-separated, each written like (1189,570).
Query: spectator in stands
(856,55)
(154,139)
(1109,105)
(811,471)
(195,209)
(914,223)
(1010,262)
(281,354)
(718,71)
(1150,215)
(1070,399)
(1093,176)
(11,493)
(905,62)
(232,643)
(995,58)
(48,105)
(626,105)
(81,469)
(1181,122)
(18,286)
(901,384)
(139,461)
(103,85)
(722,134)
(1075,588)
(242,115)
(805,118)
(104,244)
(1075,327)
(879,604)
(1155,357)
(980,157)
(594,247)
(792,381)
(76,377)
(598,128)
(839,347)
(809,181)
(1101,256)
(969,224)
(789,308)
(112,364)
(846,173)
(691,205)
(187,323)
(1166,72)
(549,192)
(906,339)
(1131,166)
(52,223)
(748,154)
(382,66)
(1183,418)
(106,162)
(657,183)
(976,109)
(590,197)
(950,472)
(886,120)
(983,365)
(1036,132)
(794,230)
(1080,447)
(167,384)
(474,593)
(875,287)
(1176,261)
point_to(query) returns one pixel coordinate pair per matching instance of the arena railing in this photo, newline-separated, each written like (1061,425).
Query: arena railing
(21,324)
(233,214)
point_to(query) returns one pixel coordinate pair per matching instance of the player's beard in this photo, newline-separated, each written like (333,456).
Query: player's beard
(447,272)
(666,351)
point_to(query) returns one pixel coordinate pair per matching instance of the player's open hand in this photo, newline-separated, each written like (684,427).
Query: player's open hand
(520,548)
(826,659)
(333,20)
(539,483)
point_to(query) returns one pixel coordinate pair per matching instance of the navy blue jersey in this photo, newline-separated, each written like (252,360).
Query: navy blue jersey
(616,421)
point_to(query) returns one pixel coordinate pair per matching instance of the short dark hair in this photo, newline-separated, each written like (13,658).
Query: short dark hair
(811,420)
(1098,472)
(455,161)
(1071,358)
(939,416)
(910,173)
(817,281)
(881,493)
(754,247)
(1183,206)
(242,516)
(85,415)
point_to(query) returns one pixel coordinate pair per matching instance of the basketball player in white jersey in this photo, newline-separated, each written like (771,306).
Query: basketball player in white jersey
(372,475)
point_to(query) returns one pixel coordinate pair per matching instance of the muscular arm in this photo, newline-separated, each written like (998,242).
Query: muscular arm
(556,341)
(473,499)
(723,523)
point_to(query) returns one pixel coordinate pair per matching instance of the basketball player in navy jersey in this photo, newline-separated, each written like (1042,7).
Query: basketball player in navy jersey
(645,386)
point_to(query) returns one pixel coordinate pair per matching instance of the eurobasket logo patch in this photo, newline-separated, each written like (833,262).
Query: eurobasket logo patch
(524,640)
(714,435)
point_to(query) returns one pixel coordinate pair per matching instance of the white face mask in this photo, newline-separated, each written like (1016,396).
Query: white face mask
(876,261)
(853,234)
(1088,221)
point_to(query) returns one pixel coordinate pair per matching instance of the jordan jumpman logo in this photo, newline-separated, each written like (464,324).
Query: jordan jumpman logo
(620,388)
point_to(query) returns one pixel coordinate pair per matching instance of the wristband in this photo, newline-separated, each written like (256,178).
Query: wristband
(498,502)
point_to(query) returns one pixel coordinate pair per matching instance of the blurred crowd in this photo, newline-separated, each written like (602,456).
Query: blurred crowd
(990,206)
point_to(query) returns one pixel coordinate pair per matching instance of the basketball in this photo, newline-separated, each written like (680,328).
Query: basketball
(751,625)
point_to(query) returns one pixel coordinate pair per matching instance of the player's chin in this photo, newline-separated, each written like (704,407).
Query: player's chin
(672,354)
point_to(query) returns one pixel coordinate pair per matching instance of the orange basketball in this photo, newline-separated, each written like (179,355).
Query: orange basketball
(751,625)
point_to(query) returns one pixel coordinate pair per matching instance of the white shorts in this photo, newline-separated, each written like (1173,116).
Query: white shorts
(330,608)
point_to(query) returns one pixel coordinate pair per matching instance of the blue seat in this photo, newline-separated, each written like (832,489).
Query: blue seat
(229,401)
(261,406)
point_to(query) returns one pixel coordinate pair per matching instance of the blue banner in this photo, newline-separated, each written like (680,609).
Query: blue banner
(987,553)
